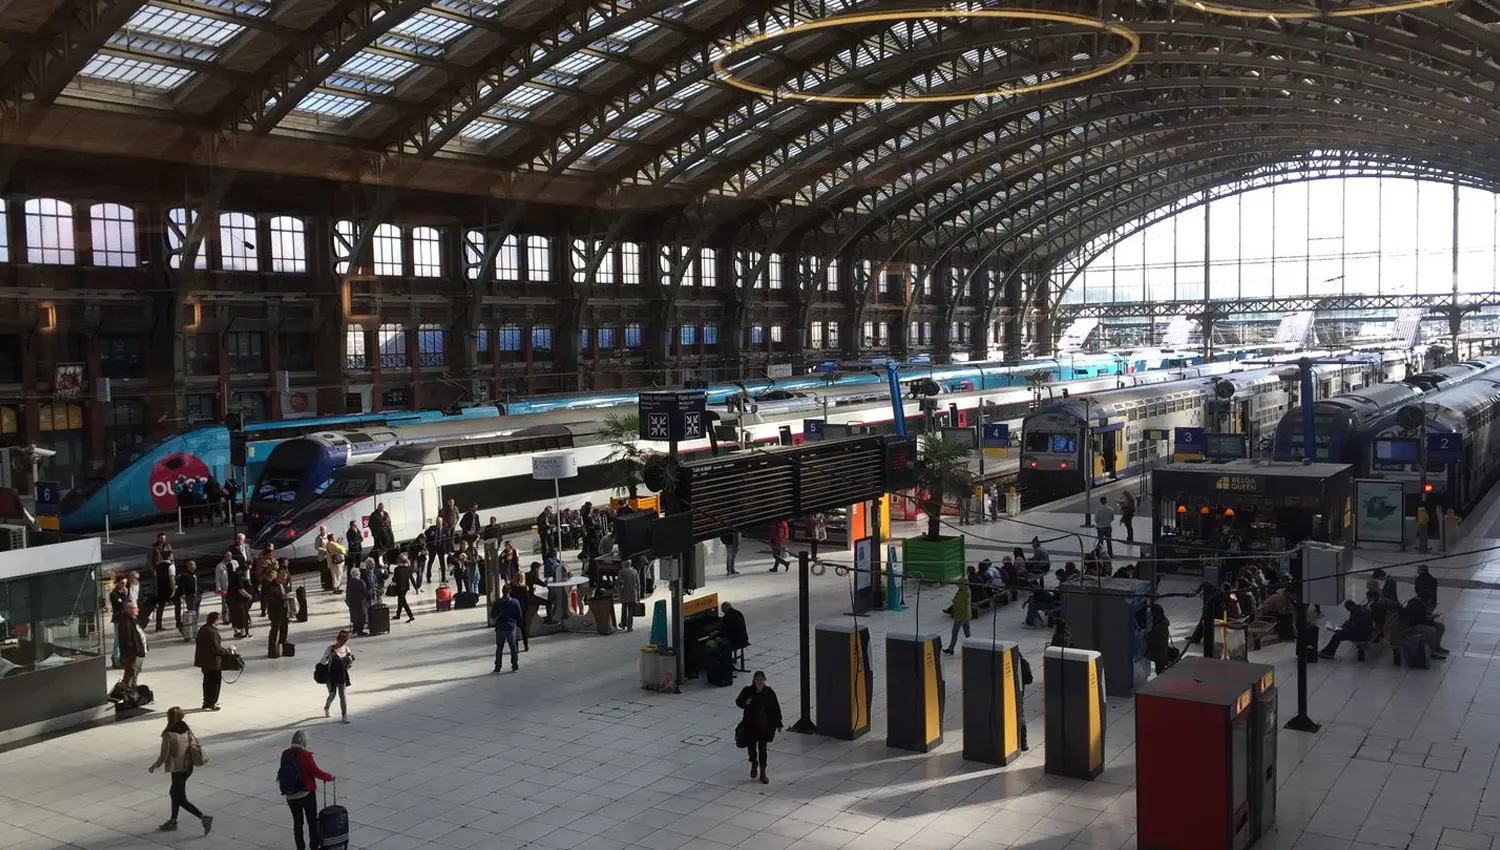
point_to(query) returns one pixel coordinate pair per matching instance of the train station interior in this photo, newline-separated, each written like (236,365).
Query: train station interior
(920,303)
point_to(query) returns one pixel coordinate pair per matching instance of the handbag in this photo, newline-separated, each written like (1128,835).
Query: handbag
(231,660)
(195,751)
(320,673)
(742,736)
(638,609)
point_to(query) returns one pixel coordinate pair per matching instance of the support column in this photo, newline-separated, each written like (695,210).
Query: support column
(1012,316)
(330,357)
(1042,286)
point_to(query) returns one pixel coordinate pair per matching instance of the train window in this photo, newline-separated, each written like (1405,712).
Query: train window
(1064,444)
(396,483)
(1037,441)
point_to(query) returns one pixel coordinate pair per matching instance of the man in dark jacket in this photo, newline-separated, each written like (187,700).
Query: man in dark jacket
(1359,628)
(735,630)
(119,597)
(276,611)
(1427,586)
(132,645)
(166,592)
(469,523)
(401,577)
(383,537)
(207,657)
(506,614)
(1417,616)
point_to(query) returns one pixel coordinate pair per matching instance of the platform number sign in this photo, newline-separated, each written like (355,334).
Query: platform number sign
(669,416)
(1445,448)
(1188,440)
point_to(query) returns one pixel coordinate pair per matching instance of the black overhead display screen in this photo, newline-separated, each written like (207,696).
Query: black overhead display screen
(754,489)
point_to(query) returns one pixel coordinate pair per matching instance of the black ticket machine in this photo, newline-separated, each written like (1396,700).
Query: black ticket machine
(915,692)
(992,700)
(844,678)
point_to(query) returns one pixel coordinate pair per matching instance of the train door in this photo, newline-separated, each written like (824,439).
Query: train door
(395,505)
(1245,419)
(432,499)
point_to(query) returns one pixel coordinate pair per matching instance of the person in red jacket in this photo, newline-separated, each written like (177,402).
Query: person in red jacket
(298,778)
(781,536)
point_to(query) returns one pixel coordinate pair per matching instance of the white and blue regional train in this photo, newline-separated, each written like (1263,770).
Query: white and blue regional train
(415,470)
(1054,456)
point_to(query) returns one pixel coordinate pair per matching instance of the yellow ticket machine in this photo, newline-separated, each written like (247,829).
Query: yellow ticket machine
(1074,691)
(992,700)
(915,691)
(844,678)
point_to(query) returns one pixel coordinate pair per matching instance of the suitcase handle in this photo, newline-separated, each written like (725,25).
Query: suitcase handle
(329,786)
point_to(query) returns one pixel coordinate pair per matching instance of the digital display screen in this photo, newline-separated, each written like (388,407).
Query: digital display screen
(1064,444)
(1224,445)
(1396,451)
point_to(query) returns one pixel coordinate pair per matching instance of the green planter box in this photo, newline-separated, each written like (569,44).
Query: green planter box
(933,560)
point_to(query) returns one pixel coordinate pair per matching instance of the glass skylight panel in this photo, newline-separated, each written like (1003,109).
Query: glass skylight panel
(475,8)
(331,105)
(424,33)
(577,64)
(172,32)
(679,100)
(246,8)
(622,40)
(599,150)
(480,130)
(371,72)
(135,72)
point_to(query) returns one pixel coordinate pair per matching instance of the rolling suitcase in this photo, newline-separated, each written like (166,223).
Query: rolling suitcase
(380,619)
(301,595)
(189,630)
(333,821)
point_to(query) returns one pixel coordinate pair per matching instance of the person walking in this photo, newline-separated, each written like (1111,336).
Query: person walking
(208,657)
(298,778)
(357,598)
(132,645)
(337,659)
(1127,514)
(510,562)
(629,590)
(731,541)
(1104,518)
(780,536)
(506,614)
(963,612)
(402,577)
(180,753)
(166,594)
(759,724)
(222,571)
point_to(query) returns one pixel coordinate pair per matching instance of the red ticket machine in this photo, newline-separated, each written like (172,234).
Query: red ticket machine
(1203,756)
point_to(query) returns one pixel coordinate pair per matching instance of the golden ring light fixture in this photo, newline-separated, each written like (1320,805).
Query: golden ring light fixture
(1313,15)
(1132,41)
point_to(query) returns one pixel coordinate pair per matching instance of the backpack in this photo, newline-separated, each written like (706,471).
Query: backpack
(1025,673)
(289,775)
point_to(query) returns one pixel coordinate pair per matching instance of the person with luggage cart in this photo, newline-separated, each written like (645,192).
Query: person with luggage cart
(298,778)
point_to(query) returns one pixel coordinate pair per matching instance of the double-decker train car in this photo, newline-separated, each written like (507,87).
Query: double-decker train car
(1055,457)
(1463,417)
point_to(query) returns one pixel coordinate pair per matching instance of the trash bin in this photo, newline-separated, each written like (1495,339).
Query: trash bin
(603,610)
(1012,503)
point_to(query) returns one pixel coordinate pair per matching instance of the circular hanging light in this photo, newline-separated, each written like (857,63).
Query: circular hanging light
(1132,40)
(1313,14)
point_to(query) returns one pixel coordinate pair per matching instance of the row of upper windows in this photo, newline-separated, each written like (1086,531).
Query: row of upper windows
(249,243)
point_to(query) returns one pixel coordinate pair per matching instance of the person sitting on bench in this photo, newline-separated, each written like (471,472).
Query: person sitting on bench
(1280,607)
(1359,628)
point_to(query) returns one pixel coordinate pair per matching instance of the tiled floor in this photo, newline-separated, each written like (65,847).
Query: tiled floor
(571,753)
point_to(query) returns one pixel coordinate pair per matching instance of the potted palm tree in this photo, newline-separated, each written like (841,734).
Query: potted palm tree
(627,459)
(943,476)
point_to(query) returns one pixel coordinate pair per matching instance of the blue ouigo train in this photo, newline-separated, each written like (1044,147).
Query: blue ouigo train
(143,489)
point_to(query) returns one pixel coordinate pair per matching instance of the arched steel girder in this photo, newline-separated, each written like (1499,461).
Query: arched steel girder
(1073,144)
(1138,203)
(1095,250)
(566,30)
(1154,52)
(1310,138)
(691,146)
(41,66)
(294,71)
(985,155)
(597,121)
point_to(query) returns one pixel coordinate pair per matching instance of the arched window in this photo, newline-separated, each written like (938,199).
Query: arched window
(288,244)
(426,252)
(391,346)
(508,259)
(113,230)
(238,243)
(388,255)
(49,232)
(538,259)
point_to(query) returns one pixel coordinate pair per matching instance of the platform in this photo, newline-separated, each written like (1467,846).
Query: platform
(571,754)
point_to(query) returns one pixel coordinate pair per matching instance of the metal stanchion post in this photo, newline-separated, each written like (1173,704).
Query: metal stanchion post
(804,634)
(179,520)
(1301,722)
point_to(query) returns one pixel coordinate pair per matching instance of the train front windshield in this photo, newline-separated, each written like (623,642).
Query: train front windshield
(286,471)
(1051,442)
